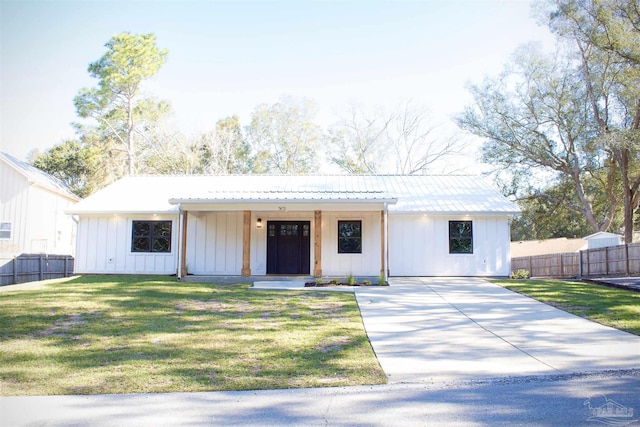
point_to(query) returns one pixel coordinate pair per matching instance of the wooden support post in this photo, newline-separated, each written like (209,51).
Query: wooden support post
(246,244)
(606,260)
(183,245)
(41,267)
(317,246)
(15,270)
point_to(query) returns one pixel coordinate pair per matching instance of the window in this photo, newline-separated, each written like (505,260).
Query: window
(151,236)
(349,237)
(460,237)
(5,230)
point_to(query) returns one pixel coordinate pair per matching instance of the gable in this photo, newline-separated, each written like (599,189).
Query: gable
(34,176)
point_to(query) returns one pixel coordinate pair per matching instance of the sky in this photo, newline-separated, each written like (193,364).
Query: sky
(226,58)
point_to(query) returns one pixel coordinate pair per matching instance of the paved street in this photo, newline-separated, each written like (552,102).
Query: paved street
(531,401)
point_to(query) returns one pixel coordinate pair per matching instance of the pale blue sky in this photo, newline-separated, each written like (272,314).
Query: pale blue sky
(225,58)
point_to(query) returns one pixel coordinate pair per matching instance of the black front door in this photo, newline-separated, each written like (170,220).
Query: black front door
(288,246)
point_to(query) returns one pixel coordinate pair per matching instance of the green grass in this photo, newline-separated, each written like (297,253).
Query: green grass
(618,308)
(126,334)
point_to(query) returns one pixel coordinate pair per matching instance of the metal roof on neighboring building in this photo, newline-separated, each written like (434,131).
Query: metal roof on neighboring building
(408,194)
(37,177)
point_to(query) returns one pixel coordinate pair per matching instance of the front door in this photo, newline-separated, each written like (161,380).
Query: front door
(288,247)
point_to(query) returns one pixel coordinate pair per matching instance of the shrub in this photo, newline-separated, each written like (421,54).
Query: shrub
(520,274)
(351,280)
(381,280)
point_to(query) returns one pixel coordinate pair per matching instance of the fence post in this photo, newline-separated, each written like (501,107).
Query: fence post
(530,268)
(580,264)
(65,266)
(15,270)
(626,256)
(41,266)
(606,261)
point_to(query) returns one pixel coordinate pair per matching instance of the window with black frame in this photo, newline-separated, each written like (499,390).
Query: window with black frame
(350,237)
(151,236)
(460,237)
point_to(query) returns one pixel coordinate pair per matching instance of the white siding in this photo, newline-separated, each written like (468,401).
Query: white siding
(368,263)
(419,246)
(214,243)
(38,221)
(104,247)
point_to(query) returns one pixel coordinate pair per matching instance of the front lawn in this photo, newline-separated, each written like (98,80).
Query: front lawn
(128,334)
(617,308)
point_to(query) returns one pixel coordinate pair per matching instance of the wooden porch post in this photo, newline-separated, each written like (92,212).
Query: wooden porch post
(317,247)
(183,245)
(246,244)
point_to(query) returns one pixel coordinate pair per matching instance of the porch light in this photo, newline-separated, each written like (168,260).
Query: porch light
(259,223)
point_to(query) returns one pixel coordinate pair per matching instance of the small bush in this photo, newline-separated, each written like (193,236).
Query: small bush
(351,280)
(382,281)
(333,282)
(366,282)
(520,274)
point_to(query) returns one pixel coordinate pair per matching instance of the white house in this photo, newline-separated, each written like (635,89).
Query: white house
(316,225)
(32,211)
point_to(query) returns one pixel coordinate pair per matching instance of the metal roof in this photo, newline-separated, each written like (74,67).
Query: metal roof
(407,194)
(38,177)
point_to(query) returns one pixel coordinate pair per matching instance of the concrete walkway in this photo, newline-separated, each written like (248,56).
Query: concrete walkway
(449,329)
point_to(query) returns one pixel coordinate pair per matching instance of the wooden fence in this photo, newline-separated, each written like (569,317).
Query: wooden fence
(29,267)
(621,260)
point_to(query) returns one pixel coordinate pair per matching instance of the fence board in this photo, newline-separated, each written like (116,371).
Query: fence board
(34,267)
(621,260)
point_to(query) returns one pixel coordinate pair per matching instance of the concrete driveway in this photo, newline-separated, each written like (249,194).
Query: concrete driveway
(425,329)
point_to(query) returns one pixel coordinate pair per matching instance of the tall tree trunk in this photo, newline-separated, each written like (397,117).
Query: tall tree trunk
(130,144)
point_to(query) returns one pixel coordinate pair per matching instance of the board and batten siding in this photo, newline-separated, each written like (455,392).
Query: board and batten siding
(38,221)
(214,243)
(103,246)
(367,263)
(419,246)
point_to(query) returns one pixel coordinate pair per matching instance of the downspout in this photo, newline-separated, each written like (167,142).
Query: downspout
(179,244)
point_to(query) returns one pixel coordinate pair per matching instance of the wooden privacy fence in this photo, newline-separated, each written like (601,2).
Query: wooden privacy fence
(621,260)
(29,267)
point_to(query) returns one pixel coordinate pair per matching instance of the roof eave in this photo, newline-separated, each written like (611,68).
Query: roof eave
(176,201)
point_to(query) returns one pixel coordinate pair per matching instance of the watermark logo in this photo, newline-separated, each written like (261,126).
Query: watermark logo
(609,412)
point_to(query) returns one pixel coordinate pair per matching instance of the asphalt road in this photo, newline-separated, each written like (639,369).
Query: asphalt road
(561,400)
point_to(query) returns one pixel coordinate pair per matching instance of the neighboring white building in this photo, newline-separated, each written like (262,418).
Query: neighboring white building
(317,225)
(32,211)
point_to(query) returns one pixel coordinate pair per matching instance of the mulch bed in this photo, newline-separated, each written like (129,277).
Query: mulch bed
(324,285)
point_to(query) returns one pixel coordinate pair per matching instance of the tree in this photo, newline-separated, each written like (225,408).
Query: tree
(283,137)
(402,141)
(606,36)
(116,103)
(536,117)
(546,215)
(224,150)
(357,141)
(74,163)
